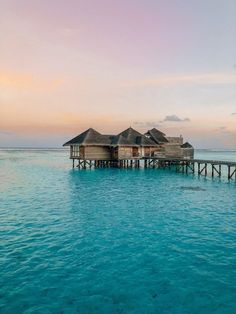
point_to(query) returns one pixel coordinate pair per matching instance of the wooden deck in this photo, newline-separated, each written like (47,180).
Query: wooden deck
(188,166)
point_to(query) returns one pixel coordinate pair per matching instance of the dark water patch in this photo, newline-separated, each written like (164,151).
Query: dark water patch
(192,188)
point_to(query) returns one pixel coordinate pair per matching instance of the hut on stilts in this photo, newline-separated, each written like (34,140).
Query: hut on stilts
(127,148)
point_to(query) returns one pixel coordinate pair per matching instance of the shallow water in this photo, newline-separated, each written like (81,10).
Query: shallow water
(113,241)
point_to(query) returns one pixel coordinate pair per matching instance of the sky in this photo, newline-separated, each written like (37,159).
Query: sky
(67,65)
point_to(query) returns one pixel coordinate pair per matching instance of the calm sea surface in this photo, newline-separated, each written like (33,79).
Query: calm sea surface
(114,241)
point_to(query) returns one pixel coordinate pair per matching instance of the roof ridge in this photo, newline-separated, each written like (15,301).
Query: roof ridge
(129,130)
(86,135)
(187,145)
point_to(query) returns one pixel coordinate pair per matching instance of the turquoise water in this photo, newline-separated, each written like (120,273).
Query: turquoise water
(114,241)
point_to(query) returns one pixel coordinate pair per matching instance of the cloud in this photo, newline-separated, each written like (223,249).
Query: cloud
(147,124)
(3,132)
(174,118)
(224,131)
(202,78)
(234,114)
(28,81)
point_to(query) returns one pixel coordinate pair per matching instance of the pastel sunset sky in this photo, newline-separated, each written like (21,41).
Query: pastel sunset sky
(67,65)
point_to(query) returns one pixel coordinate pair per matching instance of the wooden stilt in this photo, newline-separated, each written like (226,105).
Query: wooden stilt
(179,165)
(231,174)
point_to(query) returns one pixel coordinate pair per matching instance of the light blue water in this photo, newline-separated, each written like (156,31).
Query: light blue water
(113,241)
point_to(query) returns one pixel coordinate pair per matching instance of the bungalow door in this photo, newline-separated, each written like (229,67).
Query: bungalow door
(82,152)
(135,152)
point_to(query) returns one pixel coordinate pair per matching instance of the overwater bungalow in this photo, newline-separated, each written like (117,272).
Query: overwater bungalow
(127,145)
(92,145)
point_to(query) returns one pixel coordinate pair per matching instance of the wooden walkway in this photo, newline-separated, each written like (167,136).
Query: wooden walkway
(199,166)
(188,166)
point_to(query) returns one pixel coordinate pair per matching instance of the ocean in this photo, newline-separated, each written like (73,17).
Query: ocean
(114,240)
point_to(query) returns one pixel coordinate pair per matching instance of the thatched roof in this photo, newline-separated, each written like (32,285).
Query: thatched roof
(157,136)
(90,137)
(119,140)
(129,137)
(186,145)
(137,138)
